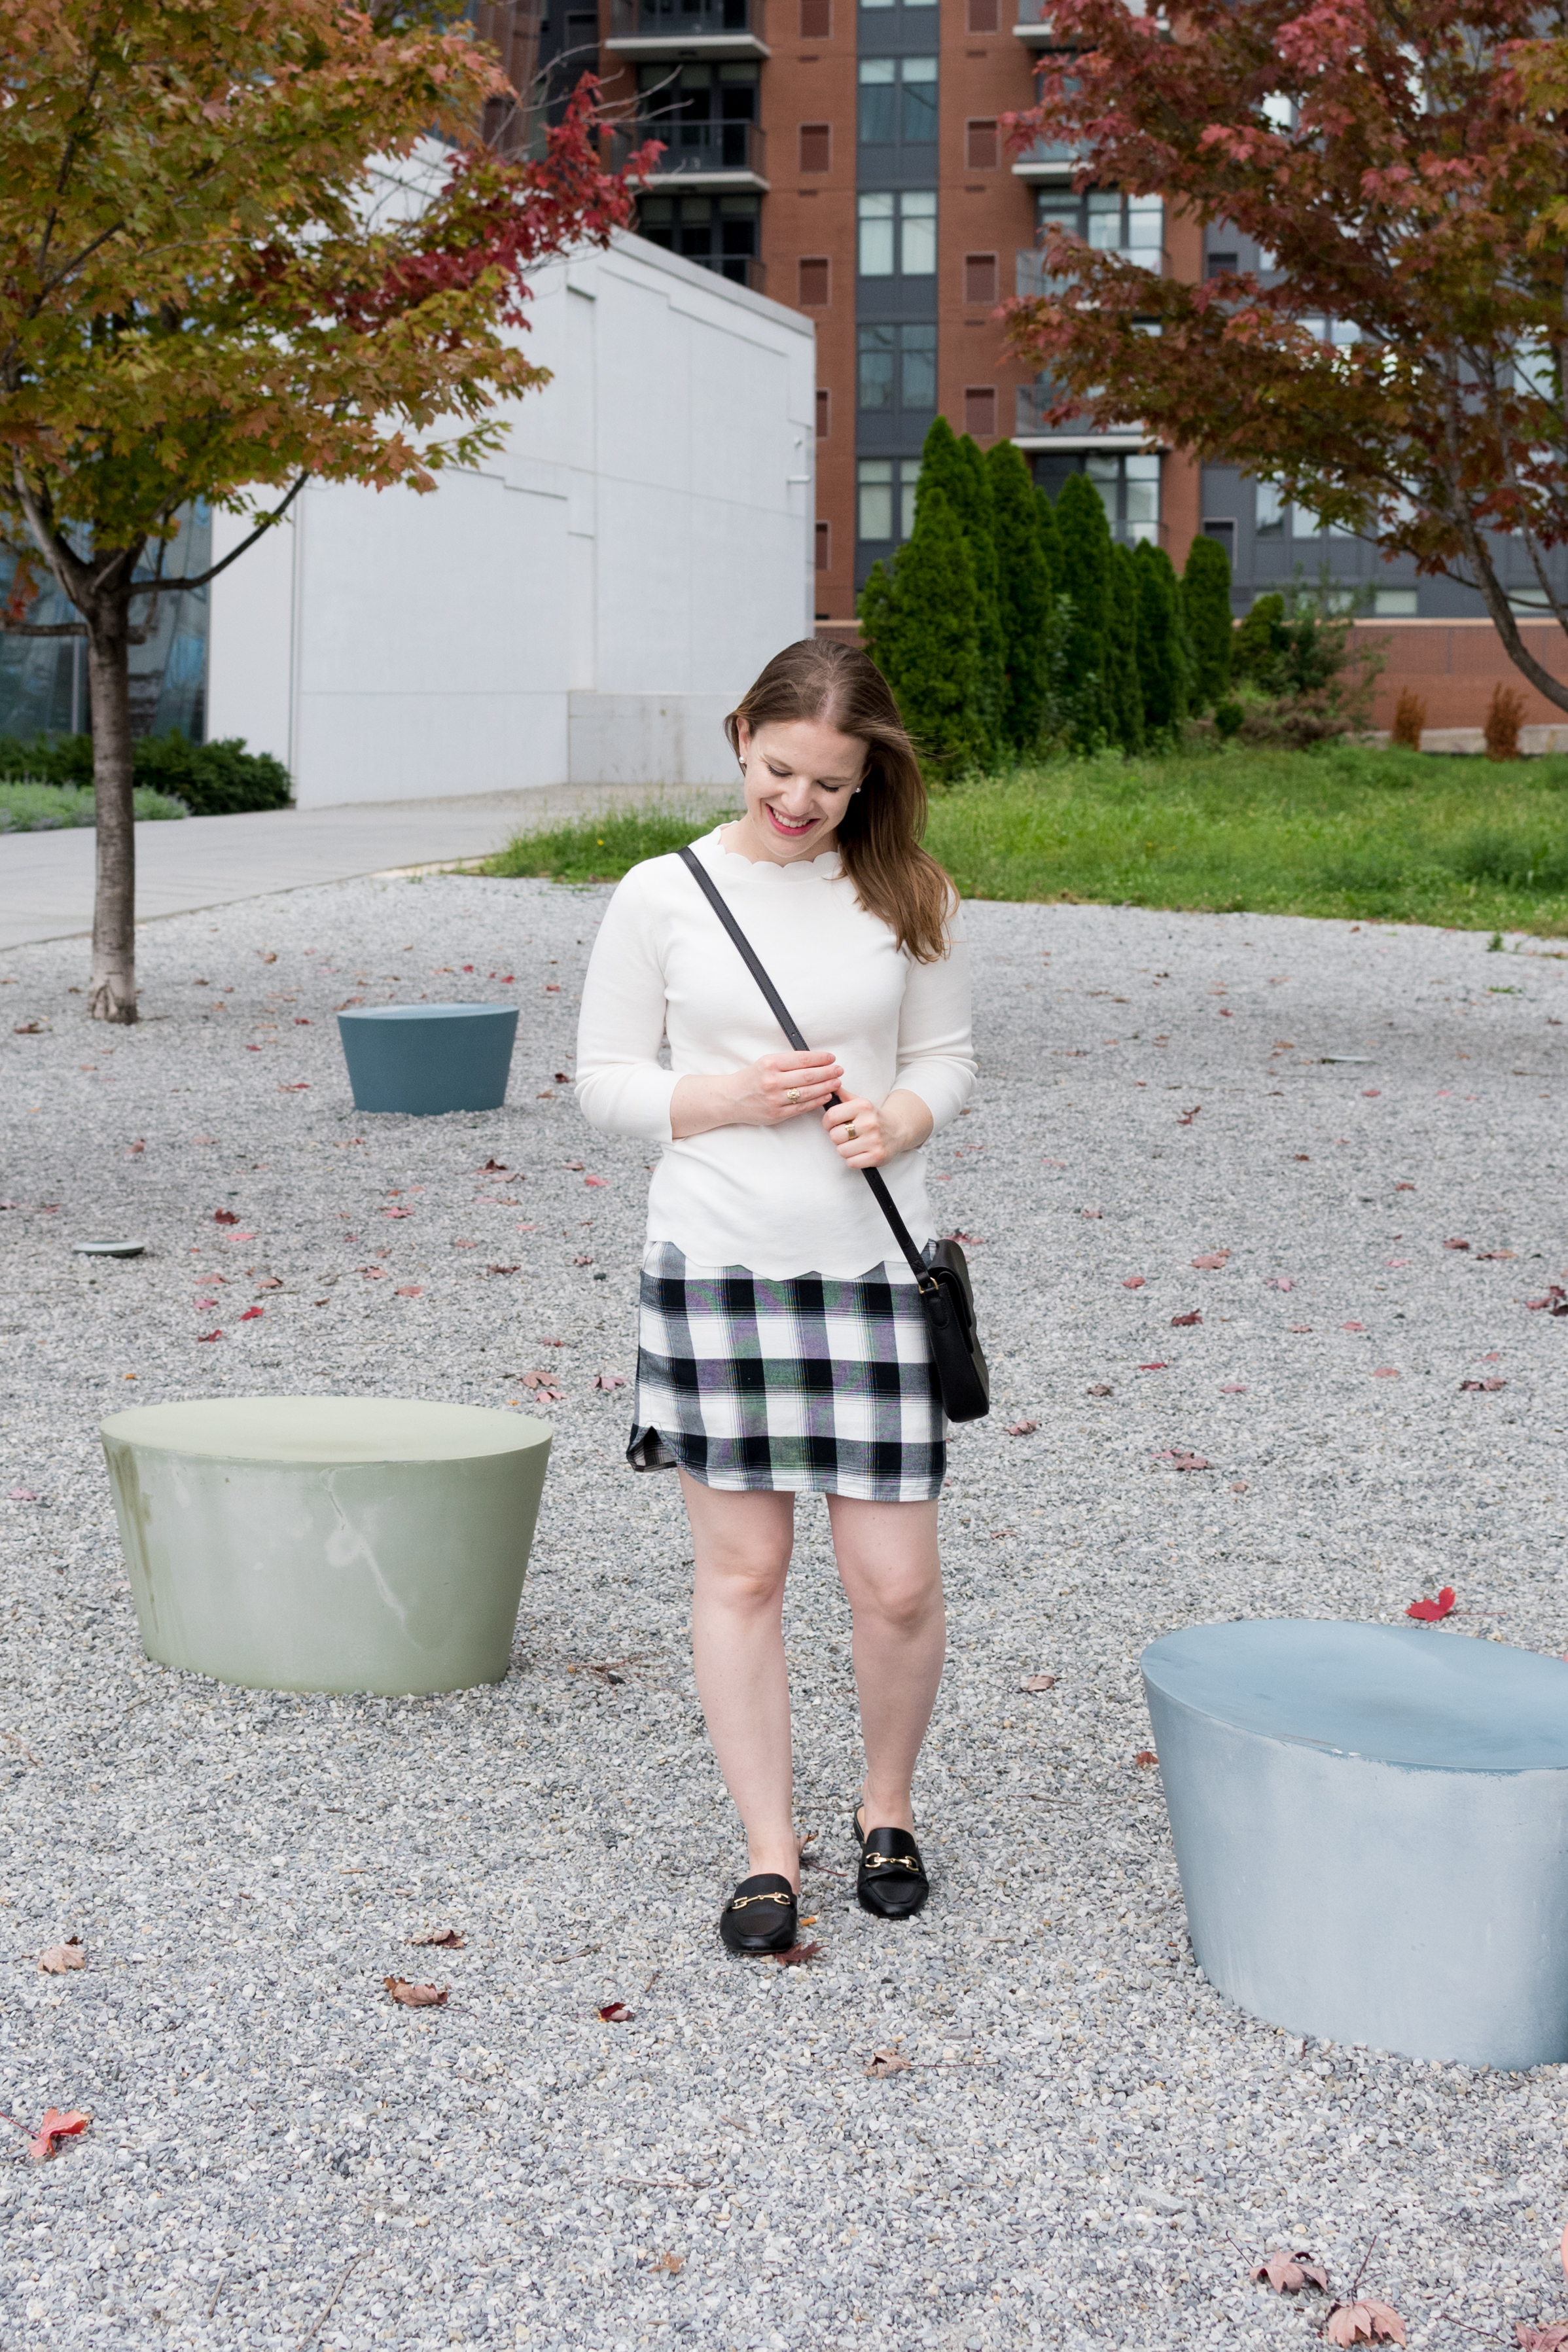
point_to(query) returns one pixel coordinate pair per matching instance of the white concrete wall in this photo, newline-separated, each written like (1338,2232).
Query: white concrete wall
(584,607)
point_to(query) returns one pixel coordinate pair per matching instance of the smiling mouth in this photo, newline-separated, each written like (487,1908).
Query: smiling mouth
(784,825)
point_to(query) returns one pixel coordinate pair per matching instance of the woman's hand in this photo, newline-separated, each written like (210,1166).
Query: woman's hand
(766,1093)
(866,1137)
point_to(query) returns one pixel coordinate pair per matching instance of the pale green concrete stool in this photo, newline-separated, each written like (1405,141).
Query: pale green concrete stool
(327,1543)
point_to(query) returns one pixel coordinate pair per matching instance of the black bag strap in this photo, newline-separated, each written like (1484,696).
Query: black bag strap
(781,1012)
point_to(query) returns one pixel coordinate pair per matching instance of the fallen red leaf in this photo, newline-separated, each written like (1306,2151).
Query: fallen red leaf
(413,1996)
(887,2061)
(1429,1612)
(203,1337)
(1144,1758)
(1100,1389)
(582,1260)
(495,1167)
(1289,2273)
(797,1954)
(410,1291)
(1186,1117)
(1185,1322)
(297,1087)
(398,1213)
(1180,1460)
(59,1957)
(1555,1301)
(446,1938)
(1022,1428)
(596,1181)
(1456,1244)
(503,1269)
(614,2012)
(1133,1281)
(1364,2322)
(563,1077)
(54,2128)
(252,1315)
(1280,1282)
(1212,1262)
(1156,1367)
(1486,1385)
(1039,1683)
(673,2264)
(224,1217)
(1540,2339)
(1384,1372)
(607,1381)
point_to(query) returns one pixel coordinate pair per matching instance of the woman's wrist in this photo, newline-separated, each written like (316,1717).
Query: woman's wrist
(700,1103)
(906,1122)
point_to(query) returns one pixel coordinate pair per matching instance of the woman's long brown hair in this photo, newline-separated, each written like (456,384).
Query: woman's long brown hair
(880,831)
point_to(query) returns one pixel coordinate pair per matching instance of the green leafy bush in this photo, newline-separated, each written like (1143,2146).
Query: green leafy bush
(1206,602)
(211,779)
(26,807)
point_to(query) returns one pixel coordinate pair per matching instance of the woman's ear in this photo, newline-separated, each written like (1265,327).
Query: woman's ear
(742,739)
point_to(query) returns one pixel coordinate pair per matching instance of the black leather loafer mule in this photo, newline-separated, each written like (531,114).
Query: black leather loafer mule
(760,1916)
(892,1882)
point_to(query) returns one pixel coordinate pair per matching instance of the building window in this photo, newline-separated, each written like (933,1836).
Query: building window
(902,4)
(898,234)
(895,368)
(1396,603)
(1269,514)
(816,147)
(898,101)
(980,411)
(1217,263)
(825,547)
(980,278)
(983,16)
(815,284)
(980,145)
(1127,482)
(816,20)
(824,412)
(885,499)
(719,233)
(1108,219)
(1222,528)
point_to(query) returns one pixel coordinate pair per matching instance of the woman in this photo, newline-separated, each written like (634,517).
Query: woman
(782,1344)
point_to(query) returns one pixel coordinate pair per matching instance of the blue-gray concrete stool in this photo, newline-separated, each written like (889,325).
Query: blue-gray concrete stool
(428,1059)
(1370,1822)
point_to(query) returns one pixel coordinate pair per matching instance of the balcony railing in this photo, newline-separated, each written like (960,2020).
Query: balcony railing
(654,28)
(1033,281)
(711,153)
(1047,160)
(1034,402)
(1032,21)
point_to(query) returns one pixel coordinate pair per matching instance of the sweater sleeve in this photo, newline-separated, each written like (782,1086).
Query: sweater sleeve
(936,1051)
(622,1089)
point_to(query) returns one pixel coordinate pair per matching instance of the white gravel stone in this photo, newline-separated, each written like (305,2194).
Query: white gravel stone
(1092,2143)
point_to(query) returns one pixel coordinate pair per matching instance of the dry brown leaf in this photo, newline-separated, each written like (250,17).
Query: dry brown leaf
(1022,1428)
(887,2061)
(616,2013)
(413,1996)
(446,1937)
(71,1953)
(673,2264)
(1144,1758)
(1366,2321)
(797,1954)
(1039,1683)
(1540,2339)
(1289,2273)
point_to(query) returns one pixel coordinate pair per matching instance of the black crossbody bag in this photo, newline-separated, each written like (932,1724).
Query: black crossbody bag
(944,1287)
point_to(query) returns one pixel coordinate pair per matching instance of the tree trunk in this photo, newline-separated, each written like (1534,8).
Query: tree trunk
(111,989)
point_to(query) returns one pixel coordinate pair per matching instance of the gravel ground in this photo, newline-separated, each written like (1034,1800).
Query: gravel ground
(1090,2143)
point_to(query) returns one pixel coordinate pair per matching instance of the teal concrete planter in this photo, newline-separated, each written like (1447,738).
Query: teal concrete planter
(424,1059)
(327,1543)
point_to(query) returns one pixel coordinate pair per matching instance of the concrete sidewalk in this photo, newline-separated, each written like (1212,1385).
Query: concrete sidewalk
(46,878)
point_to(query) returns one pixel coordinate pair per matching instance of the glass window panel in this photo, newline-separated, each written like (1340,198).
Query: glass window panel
(877,348)
(1145,224)
(1105,473)
(918,207)
(1269,514)
(866,4)
(910,472)
(919,100)
(876,237)
(1104,218)
(746,73)
(879,101)
(1058,209)
(1142,476)
(916,375)
(875,485)
(1304,523)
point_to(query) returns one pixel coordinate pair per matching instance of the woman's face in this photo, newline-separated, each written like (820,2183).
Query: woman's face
(799,775)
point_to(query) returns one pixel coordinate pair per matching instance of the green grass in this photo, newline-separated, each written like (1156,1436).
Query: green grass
(1384,836)
(43,808)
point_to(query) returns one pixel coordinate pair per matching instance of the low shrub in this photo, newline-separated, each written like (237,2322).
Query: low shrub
(1409,720)
(1505,716)
(217,779)
(31,807)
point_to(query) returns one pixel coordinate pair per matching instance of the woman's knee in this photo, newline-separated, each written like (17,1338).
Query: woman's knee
(904,1600)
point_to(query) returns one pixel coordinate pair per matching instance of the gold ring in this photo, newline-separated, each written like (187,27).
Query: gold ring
(850,1134)
(791,1094)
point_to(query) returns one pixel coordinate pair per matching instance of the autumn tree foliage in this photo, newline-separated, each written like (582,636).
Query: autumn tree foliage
(1401,368)
(246,243)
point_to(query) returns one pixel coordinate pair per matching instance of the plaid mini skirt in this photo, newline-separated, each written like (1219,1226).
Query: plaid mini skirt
(809,1385)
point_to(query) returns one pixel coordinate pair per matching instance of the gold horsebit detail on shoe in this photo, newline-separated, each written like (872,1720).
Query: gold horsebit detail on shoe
(739,1902)
(889,1862)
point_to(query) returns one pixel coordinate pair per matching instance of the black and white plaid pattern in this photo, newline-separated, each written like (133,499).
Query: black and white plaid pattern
(809,1384)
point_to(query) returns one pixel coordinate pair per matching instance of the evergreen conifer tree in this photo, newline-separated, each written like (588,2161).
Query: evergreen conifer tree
(1126,667)
(1082,573)
(1163,661)
(1024,587)
(954,469)
(923,621)
(1205,601)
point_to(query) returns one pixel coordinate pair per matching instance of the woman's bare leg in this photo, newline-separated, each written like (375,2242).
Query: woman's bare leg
(742,1544)
(886,1554)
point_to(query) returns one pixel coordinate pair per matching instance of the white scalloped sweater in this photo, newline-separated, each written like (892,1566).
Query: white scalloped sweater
(778,1200)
